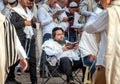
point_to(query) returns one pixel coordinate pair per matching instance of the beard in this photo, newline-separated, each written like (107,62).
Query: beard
(61,42)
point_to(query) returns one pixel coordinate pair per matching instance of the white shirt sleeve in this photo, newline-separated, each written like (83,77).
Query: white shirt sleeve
(97,23)
(44,16)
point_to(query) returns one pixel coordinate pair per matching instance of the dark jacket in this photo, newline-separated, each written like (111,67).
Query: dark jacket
(19,24)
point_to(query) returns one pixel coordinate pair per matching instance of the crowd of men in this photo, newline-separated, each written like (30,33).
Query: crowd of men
(75,34)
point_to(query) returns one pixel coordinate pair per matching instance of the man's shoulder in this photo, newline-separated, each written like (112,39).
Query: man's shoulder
(43,6)
(49,41)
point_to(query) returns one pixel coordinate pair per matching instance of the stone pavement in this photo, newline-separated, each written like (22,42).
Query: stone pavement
(25,79)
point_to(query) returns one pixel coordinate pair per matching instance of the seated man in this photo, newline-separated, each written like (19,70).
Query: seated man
(67,55)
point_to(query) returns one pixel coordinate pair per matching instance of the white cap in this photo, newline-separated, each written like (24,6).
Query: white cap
(73,4)
(11,1)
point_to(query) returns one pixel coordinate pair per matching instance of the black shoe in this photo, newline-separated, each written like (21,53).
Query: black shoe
(34,83)
(12,82)
(71,82)
(18,72)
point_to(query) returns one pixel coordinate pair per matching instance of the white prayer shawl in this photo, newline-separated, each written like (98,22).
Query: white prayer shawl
(113,44)
(28,15)
(8,47)
(88,44)
(53,45)
(44,15)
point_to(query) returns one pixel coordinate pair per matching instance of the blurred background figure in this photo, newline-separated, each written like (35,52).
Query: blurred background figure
(8,8)
(72,33)
(3,3)
(88,44)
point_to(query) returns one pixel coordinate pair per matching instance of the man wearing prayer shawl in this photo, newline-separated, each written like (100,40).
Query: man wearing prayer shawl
(108,24)
(23,20)
(88,43)
(10,48)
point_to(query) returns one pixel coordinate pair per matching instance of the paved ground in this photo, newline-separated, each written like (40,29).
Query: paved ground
(24,78)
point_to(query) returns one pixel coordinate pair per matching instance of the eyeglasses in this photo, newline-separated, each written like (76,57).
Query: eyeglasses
(60,34)
(31,0)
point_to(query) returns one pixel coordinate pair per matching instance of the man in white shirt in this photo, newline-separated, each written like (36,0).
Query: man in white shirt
(88,43)
(62,18)
(47,18)
(108,25)
(67,55)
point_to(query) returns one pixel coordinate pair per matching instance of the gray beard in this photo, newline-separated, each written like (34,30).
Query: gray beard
(61,42)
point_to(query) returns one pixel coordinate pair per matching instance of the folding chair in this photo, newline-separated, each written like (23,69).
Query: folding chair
(87,79)
(50,75)
(77,74)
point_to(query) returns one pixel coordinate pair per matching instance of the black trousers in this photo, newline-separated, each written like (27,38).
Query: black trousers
(67,66)
(11,74)
(31,63)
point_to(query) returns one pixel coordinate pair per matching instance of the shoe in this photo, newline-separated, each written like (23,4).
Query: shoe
(12,82)
(34,83)
(18,72)
(71,82)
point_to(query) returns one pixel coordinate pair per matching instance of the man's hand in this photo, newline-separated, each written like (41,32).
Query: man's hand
(76,46)
(56,15)
(23,64)
(27,23)
(65,19)
(92,57)
(65,48)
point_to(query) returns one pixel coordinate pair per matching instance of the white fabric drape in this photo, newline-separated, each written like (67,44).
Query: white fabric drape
(113,44)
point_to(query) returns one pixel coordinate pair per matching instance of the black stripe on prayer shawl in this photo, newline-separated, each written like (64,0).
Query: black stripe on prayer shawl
(6,47)
(10,44)
(13,34)
(13,44)
(11,51)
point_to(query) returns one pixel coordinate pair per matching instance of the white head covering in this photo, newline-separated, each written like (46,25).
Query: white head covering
(11,1)
(73,4)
